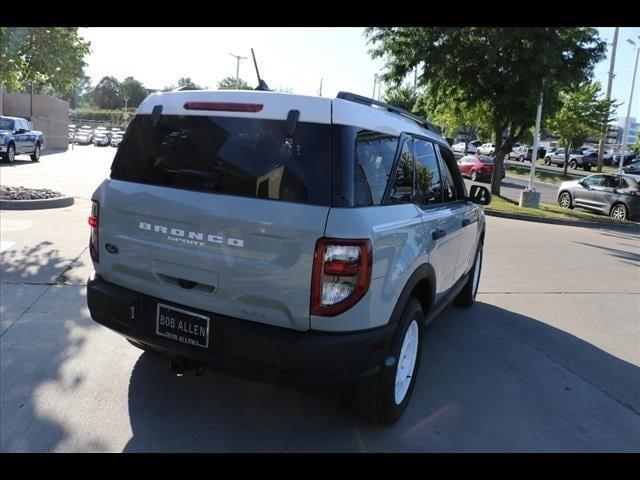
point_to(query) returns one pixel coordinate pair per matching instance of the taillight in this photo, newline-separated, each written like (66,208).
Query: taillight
(93,239)
(341,275)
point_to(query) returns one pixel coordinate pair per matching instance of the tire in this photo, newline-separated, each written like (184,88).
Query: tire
(35,156)
(377,397)
(564,200)
(474,176)
(587,168)
(547,161)
(521,158)
(573,164)
(10,154)
(619,212)
(468,294)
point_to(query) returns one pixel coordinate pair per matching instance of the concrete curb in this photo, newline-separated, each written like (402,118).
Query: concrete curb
(567,223)
(58,202)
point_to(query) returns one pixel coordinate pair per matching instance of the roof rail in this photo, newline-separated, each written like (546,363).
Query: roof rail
(354,97)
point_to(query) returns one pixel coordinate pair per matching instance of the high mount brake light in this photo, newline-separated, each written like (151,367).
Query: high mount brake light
(94,220)
(224,106)
(341,274)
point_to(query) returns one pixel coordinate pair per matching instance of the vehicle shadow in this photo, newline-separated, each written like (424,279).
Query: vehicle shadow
(490,380)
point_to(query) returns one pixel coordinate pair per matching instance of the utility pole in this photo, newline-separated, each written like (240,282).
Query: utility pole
(320,91)
(625,133)
(238,58)
(529,197)
(375,80)
(126,100)
(609,85)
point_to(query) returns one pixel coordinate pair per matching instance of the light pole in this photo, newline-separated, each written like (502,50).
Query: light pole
(625,133)
(126,100)
(238,58)
(375,81)
(608,97)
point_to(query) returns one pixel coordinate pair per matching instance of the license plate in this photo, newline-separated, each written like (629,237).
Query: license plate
(182,326)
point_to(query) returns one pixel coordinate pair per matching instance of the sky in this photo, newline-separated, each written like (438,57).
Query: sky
(295,58)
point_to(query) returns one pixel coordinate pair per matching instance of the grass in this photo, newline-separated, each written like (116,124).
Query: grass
(501,204)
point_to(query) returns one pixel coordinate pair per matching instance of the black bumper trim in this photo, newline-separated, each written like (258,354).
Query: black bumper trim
(247,348)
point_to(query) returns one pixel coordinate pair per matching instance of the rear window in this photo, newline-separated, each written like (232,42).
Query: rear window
(486,159)
(231,156)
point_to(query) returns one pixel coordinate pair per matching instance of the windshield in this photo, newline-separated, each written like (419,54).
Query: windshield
(6,124)
(227,155)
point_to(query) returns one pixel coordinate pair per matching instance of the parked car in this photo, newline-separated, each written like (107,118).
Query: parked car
(248,262)
(83,137)
(628,158)
(575,159)
(487,149)
(477,167)
(116,139)
(633,168)
(101,138)
(458,147)
(473,146)
(521,153)
(615,195)
(72,132)
(17,138)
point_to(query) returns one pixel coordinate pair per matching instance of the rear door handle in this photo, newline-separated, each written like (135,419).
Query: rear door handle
(466,222)
(437,234)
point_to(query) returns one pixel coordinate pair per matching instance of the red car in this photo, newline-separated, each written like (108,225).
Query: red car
(477,167)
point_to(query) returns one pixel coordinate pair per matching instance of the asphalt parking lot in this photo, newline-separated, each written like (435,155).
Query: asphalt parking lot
(548,360)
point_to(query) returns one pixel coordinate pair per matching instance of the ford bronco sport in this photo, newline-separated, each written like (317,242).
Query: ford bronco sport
(302,239)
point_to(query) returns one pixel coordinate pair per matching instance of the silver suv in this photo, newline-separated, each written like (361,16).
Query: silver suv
(302,239)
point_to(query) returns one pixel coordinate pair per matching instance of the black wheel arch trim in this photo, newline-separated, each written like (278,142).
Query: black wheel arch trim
(423,272)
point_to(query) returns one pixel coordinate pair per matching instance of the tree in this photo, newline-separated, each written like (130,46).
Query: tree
(229,83)
(453,114)
(134,91)
(582,114)
(52,56)
(187,84)
(503,68)
(107,94)
(403,96)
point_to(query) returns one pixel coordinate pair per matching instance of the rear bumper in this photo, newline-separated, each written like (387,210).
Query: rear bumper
(246,348)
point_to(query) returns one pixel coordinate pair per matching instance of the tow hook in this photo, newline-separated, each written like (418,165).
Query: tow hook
(180,366)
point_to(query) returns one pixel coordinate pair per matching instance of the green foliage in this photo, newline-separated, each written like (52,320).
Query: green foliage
(134,91)
(52,56)
(229,83)
(502,68)
(583,114)
(107,94)
(187,83)
(404,96)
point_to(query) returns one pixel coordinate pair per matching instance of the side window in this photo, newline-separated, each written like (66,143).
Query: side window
(374,159)
(402,191)
(451,191)
(623,183)
(428,180)
(593,181)
(610,182)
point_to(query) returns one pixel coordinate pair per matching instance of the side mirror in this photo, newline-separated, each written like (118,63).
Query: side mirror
(479,195)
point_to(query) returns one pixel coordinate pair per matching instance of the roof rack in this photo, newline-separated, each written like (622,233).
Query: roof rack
(354,97)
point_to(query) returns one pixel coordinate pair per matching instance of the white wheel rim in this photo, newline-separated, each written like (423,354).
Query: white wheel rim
(564,200)
(476,273)
(406,362)
(618,213)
